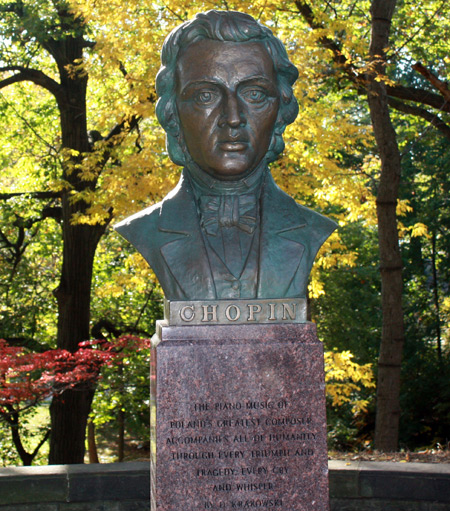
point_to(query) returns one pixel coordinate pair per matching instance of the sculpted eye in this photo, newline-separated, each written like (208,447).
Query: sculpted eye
(254,95)
(205,97)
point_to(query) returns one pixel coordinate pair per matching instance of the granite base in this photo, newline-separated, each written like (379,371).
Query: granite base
(238,419)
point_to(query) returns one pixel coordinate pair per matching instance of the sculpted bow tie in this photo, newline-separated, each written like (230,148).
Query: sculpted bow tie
(228,211)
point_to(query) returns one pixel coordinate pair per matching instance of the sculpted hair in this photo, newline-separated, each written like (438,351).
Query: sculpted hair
(231,27)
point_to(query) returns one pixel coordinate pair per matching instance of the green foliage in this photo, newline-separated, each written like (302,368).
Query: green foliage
(123,392)
(348,432)
(8,453)
(348,313)
(34,423)
(425,402)
(30,264)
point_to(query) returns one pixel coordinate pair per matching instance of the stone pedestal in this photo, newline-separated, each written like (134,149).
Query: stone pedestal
(238,419)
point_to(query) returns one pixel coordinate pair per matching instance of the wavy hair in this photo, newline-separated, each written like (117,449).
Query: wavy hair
(229,26)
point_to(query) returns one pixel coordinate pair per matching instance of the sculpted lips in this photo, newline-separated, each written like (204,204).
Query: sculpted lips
(233,142)
(233,146)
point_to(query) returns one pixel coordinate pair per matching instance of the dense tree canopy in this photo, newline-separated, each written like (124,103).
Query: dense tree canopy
(82,147)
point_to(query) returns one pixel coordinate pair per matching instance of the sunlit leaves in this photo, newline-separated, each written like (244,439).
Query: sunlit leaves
(345,380)
(28,378)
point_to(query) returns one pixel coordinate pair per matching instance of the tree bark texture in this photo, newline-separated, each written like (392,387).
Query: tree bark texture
(92,443)
(69,411)
(391,347)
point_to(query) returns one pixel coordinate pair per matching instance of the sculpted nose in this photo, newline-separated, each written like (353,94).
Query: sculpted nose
(232,113)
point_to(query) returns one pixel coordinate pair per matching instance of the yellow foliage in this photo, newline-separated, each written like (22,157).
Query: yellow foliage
(122,67)
(135,275)
(418,230)
(403,207)
(345,378)
(415,231)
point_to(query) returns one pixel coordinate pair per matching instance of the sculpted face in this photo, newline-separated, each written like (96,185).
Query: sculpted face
(227,100)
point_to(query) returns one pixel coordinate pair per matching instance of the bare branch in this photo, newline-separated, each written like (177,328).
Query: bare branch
(440,85)
(122,128)
(432,118)
(419,96)
(41,443)
(30,75)
(88,44)
(149,296)
(10,80)
(35,195)
(28,343)
(183,18)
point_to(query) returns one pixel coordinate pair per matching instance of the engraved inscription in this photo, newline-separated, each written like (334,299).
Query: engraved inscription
(244,445)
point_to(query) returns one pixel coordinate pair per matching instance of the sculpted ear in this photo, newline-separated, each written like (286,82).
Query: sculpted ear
(166,111)
(175,149)
(168,116)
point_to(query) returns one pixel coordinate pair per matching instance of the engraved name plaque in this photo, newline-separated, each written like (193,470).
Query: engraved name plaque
(228,312)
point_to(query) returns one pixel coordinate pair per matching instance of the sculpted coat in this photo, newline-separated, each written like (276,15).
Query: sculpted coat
(173,246)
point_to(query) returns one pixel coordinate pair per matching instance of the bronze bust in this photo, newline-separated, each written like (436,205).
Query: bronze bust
(227,231)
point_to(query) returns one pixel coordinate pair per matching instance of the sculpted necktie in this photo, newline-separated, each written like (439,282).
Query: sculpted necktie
(228,211)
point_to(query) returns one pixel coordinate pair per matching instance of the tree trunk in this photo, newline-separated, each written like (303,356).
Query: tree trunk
(391,348)
(436,295)
(92,443)
(13,421)
(69,411)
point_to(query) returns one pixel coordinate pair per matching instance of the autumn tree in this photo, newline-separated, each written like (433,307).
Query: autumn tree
(92,171)
(375,73)
(45,43)
(28,378)
(78,85)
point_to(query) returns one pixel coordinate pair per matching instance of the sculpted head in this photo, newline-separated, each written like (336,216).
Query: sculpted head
(225,93)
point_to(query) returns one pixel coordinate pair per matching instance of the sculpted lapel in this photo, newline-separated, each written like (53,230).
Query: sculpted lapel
(281,250)
(293,236)
(182,245)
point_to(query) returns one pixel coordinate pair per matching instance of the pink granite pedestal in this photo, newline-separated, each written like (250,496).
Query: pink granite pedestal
(238,419)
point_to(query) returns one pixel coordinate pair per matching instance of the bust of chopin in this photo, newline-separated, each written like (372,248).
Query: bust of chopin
(226,231)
